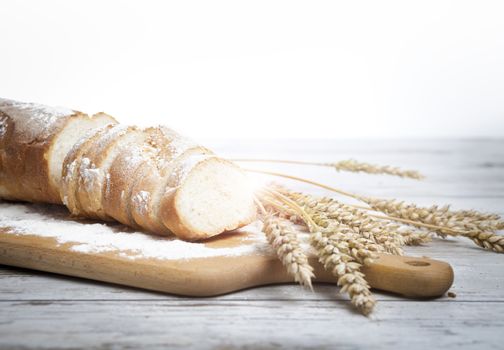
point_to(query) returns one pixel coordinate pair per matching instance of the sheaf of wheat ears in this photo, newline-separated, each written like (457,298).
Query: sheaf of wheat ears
(364,241)
(411,236)
(487,240)
(340,250)
(358,220)
(336,227)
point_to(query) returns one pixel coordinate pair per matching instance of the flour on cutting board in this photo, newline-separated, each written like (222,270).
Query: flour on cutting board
(89,237)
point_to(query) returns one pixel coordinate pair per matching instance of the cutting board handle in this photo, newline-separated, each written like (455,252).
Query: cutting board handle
(410,276)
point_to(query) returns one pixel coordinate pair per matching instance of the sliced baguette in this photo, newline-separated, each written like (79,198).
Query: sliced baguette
(170,185)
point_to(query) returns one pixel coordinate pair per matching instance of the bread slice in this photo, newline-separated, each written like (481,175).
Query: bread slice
(71,165)
(35,139)
(63,142)
(149,188)
(206,196)
(95,164)
(127,167)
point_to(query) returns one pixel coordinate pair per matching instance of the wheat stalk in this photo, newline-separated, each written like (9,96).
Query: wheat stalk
(455,225)
(487,240)
(350,165)
(346,237)
(464,220)
(340,250)
(479,227)
(333,250)
(283,238)
(355,166)
(343,251)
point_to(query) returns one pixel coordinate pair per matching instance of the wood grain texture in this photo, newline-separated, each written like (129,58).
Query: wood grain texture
(41,310)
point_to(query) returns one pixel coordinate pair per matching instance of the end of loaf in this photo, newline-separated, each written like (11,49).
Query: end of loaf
(215,196)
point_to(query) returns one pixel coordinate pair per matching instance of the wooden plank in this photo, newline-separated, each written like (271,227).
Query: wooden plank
(249,324)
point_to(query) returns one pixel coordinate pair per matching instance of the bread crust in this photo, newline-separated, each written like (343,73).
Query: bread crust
(25,166)
(6,130)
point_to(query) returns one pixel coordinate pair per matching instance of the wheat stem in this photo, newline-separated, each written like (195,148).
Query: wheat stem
(292,204)
(259,205)
(346,165)
(318,184)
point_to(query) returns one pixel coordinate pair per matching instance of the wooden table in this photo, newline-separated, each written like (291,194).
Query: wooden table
(41,310)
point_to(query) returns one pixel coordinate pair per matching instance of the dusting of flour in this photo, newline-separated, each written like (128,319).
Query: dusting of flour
(32,120)
(53,221)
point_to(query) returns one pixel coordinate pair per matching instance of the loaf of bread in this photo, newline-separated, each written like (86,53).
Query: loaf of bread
(151,179)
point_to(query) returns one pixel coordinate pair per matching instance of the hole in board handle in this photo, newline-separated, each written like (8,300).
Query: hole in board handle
(417,263)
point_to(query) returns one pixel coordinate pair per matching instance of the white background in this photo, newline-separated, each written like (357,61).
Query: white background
(264,69)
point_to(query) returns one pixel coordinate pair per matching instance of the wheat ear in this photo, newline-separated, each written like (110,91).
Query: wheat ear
(415,237)
(464,220)
(355,166)
(337,251)
(479,227)
(283,238)
(487,240)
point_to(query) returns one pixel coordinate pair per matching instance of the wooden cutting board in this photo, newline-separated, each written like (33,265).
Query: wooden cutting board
(43,237)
